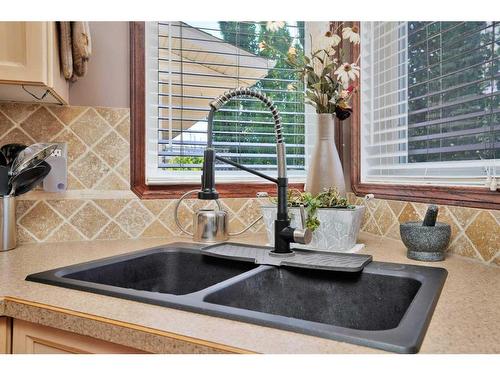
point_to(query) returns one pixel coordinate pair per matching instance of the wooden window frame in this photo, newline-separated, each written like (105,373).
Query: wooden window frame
(450,195)
(138,137)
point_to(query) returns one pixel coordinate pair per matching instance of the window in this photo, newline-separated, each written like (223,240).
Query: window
(188,64)
(430,103)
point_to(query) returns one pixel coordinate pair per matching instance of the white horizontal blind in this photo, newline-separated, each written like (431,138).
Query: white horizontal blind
(196,62)
(430,102)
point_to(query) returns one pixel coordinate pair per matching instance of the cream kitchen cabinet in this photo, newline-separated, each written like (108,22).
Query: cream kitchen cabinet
(30,338)
(29,63)
(5,335)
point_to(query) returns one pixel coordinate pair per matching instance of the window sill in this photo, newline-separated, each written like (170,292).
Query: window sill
(477,197)
(233,190)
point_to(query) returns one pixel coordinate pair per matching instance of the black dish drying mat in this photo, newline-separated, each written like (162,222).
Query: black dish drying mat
(321,260)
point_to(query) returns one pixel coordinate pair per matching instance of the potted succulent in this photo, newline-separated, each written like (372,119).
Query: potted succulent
(335,223)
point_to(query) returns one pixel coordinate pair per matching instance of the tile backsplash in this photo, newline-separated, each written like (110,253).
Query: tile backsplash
(475,233)
(100,205)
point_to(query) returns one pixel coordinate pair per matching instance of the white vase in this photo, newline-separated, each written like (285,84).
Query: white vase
(325,169)
(337,231)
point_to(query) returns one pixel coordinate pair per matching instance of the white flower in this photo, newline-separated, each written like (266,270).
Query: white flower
(351,33)
(329,41)
(274,25)
(346,72)
(344,94)
(262,46)
(292,51)
(335,40)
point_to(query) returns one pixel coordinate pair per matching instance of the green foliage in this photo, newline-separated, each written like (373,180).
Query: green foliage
(186,160)
(329,198)
(243,127)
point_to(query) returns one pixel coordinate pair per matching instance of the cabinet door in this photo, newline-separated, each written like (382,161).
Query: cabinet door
(29,338)
(24,52)
(5,336)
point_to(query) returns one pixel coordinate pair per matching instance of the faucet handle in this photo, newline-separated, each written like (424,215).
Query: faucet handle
(302,235)
(302,216)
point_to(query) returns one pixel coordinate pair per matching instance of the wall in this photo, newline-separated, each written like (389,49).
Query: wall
(98,203)
(107,80)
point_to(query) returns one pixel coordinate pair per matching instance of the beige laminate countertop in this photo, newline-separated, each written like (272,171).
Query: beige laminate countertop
(466,319)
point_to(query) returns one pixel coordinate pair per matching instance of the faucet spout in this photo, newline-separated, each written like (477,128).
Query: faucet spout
(284,235)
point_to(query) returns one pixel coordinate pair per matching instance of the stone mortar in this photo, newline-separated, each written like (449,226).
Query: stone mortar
(424,242)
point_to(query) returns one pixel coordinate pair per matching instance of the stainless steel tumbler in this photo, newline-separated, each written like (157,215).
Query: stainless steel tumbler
(8,222)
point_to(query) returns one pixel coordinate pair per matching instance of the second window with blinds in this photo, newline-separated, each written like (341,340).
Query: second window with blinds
(188,64)
(430,103)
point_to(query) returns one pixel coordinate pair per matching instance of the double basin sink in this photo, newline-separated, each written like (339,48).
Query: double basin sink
(386,306)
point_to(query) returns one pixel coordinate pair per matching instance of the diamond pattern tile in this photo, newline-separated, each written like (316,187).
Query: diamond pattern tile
(134,219)
(41,125)
(98,162)
(89,169)
(484,233)
(90,127)
(41,220)
(89,220)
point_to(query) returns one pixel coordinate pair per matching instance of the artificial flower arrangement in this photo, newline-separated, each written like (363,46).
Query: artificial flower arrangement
(329,79)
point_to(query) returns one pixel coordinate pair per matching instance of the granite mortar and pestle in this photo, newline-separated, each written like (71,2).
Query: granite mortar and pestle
(427,240)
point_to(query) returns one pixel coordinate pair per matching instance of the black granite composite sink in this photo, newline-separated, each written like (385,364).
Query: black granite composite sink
(386,306)
(170,272)
(362,301)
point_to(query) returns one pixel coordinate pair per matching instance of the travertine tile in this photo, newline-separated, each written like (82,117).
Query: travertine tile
(16,135)
(463,215)
(371,227)
(112,231)
(112,206)
(484,233)
(74,183)
(167,218)
(396,207)
(89,220)
(496,215)
(393,232)
(66,113)
(123,169)
(123,128)
(66,207)
(384,217)
(250,211)
(156,230)
(22,206)
(65,233)
(5,124)
(23,236)
(420,209)
(17,111)
(90,127)
(444,216)
(112,182)
(112,148)
(89,169)
(134,219)
(41,125)
(112,115)
(408,214)
(41,220)
(462,246)
(75,147)
(155,206)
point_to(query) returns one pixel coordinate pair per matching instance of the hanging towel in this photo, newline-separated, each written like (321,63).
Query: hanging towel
(75,48)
